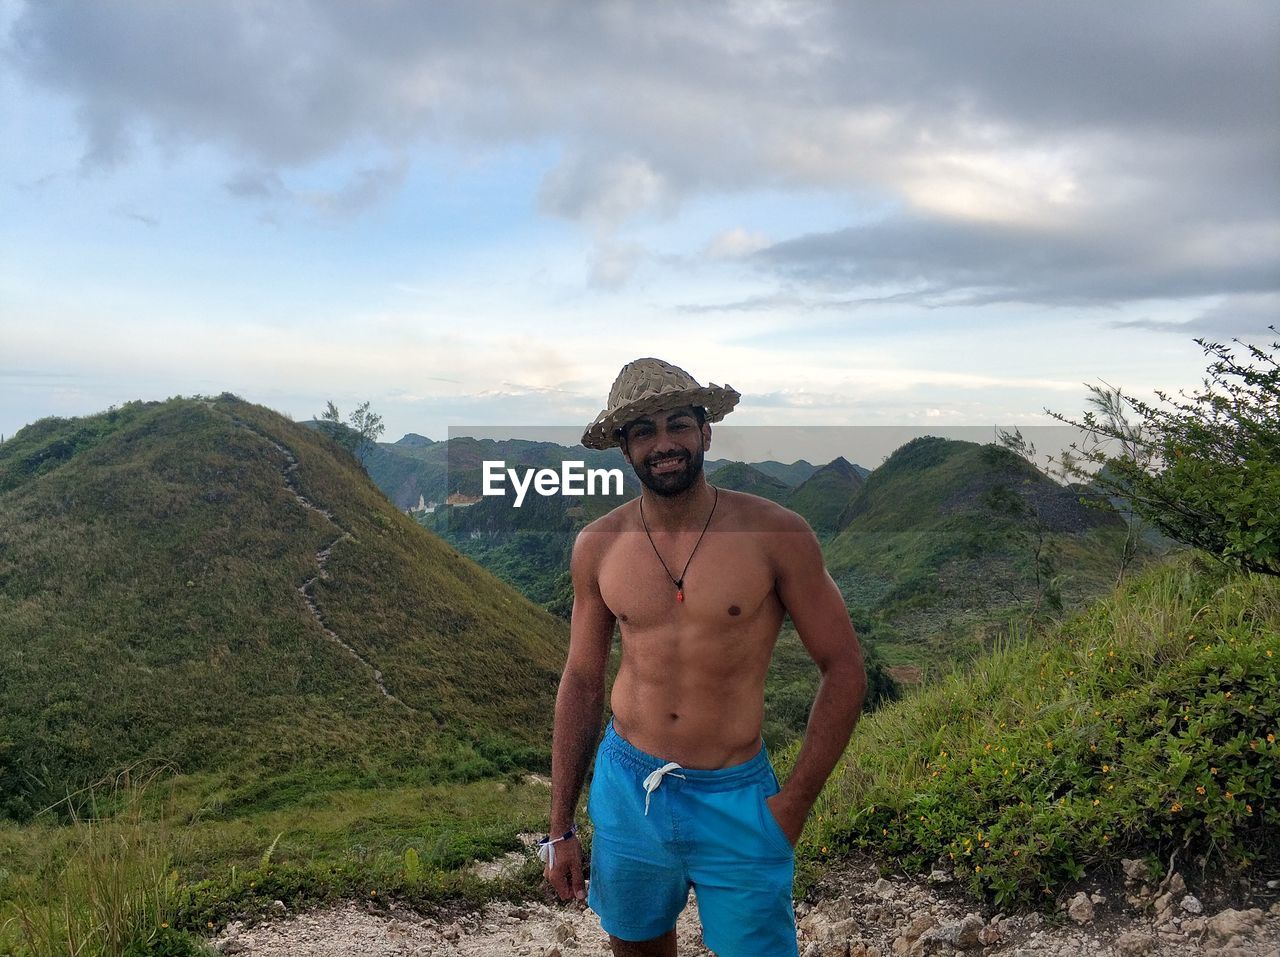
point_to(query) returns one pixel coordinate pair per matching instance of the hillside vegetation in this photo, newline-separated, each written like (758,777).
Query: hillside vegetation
(948,541)
(151,566)
(1144,726)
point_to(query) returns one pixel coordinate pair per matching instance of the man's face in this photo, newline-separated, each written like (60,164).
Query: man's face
(666,449)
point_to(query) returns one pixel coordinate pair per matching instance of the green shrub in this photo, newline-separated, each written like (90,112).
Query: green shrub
(1147,725)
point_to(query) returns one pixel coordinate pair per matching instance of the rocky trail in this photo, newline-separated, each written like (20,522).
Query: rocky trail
(853,912)
(307,589)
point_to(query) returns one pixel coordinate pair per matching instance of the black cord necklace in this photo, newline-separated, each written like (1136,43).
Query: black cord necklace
(679,582)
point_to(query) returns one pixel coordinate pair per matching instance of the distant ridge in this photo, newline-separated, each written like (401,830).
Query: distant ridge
(204,582)
(741,477)
(412,440)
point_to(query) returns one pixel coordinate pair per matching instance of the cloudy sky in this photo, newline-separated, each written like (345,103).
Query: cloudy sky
(474,213)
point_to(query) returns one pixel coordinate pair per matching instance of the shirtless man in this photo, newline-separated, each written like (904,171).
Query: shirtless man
(683,794)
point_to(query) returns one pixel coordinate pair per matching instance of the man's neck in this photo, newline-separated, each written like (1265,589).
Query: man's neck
(679,513)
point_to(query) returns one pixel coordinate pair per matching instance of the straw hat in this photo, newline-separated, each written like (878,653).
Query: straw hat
(649,386)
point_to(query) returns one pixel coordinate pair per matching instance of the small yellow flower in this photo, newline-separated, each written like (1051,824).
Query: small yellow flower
(1271,739)
(1096,802)
(1228,795)
(1016,853)
(977,868)
(1228,694)
(1199,789)
(1248,808)
(1106,769)
(165,924)
(885,831)
(1213,770)
(373,893)
(210,924)
(824,850)
(1176,807)
(1106,837)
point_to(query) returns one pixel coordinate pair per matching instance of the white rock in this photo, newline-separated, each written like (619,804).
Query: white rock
(1080,909)
(1192,905)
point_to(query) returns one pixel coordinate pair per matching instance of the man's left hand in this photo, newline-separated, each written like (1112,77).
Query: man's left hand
(789,815)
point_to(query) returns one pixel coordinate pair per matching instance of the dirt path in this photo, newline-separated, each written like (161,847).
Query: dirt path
(854,913)
(307,588)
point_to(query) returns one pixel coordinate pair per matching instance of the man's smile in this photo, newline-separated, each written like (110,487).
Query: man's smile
(665,466)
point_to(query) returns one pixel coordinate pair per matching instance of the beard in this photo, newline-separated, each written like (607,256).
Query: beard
(669,484)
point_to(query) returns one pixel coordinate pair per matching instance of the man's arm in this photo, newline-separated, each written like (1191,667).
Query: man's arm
(579,706)
(822,622)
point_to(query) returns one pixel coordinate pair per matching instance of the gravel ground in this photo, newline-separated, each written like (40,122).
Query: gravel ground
(852,913)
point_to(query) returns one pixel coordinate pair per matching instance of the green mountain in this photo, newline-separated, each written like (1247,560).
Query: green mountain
(203,581)
(746,478)
(823,496)
(792,474)
(947,539)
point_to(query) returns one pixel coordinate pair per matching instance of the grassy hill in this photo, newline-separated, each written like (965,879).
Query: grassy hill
(824,495)
(161,570)
(948,538)
(742,477)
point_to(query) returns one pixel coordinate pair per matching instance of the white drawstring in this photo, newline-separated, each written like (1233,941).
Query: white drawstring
(654,780)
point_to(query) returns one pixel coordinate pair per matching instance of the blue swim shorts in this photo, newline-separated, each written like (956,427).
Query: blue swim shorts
(660,829)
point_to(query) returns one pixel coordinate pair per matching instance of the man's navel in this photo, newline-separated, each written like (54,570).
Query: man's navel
(735,610)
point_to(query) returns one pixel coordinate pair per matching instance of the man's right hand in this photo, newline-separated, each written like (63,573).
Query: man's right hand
(566,875)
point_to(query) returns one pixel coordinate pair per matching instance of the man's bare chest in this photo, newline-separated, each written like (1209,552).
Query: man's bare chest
(728,582)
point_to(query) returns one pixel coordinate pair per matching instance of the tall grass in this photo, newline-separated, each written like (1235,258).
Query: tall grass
(112,890)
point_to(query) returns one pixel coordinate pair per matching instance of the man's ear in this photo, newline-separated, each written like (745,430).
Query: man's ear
(622,444)
(706,436)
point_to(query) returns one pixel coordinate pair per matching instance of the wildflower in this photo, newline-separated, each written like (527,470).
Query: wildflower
(1271,739)
(1213,770)
(210,923)
(1228,694)
(1105,838)
(977,868)
(986,843)
(884,831)
(1248,808)
(1016,853)
(1228,795)
(373,893)
(1096,802)
(1106,769)
(824,850)
(1176,807)
(164,924)
(1199,789)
